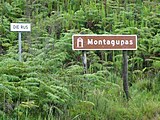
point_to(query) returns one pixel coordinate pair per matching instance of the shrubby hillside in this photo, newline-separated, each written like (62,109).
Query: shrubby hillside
(50,84)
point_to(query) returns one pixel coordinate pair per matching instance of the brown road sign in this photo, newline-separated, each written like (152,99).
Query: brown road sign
(104,42)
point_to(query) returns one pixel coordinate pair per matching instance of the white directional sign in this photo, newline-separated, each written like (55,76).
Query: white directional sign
(20,27)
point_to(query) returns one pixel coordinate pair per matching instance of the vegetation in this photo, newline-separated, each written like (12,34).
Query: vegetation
(49,84)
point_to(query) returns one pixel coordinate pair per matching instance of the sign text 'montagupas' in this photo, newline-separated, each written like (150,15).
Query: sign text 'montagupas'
(104,42)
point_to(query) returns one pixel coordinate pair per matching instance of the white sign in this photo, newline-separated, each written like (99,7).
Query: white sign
(20,27)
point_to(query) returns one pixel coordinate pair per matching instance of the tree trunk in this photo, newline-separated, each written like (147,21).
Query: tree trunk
(105,7)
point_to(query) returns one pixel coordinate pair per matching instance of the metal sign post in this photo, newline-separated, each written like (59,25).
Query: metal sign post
(20,46)
(20,27)
(84,58)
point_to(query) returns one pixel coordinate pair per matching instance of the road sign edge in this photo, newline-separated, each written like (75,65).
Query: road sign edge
(100,35)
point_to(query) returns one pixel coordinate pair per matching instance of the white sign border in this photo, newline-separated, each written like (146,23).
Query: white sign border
(101,35)
(20,30)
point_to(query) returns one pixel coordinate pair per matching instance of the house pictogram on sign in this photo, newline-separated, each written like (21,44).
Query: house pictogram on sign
(79,42)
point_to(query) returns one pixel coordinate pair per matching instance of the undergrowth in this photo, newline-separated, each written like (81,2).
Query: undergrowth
(50,83)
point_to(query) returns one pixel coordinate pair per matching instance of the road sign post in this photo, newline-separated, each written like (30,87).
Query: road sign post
(20,46)
(20,27)
(108,42)
(84,59)
(125,73)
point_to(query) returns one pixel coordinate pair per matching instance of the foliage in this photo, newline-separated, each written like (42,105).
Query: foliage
(50,84)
